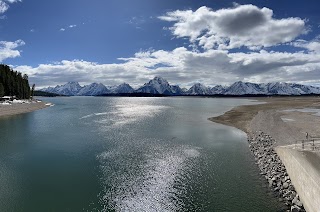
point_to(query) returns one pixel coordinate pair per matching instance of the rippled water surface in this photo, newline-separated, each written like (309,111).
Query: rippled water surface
(128,154)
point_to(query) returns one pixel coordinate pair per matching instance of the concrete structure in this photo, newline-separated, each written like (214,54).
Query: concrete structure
(303,168)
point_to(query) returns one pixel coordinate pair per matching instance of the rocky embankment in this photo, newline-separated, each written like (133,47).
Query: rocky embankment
(271,167)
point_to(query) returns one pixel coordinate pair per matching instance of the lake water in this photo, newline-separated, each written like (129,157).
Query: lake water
(128,154)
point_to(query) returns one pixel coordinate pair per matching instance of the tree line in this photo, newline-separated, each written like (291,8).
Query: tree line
(13,83)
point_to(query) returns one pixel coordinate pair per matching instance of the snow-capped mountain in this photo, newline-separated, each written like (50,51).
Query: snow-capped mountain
(48,89)
(218,89)
(199,89)
(280,88)
(94,89)
(176,90)
(158,85)
(184,90)
(277,88)
(242,88)
(122,88)
(69,89)
(247,88)
(304,89)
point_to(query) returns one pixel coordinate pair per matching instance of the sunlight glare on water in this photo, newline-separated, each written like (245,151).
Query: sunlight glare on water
(126,113)
(153,189)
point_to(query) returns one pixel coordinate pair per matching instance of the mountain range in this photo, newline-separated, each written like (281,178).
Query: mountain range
(159,85)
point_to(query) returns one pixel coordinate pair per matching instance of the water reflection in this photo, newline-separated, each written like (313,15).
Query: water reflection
(155,185)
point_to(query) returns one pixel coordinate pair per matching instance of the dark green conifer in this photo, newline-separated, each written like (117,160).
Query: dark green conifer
(13,83)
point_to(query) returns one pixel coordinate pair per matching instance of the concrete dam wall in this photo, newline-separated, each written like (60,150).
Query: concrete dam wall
(303,168)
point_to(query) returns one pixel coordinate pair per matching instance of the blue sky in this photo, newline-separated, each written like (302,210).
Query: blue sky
(184,41)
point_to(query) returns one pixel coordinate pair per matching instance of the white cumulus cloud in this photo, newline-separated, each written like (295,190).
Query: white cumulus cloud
(4,5)
(242,25)
(13,1)
(184,67)
(313,45)
(8,49)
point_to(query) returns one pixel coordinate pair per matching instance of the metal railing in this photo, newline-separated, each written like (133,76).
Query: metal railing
(310,143)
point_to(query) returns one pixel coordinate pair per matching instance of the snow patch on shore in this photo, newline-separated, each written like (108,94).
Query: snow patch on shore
(314,111)
(287,119)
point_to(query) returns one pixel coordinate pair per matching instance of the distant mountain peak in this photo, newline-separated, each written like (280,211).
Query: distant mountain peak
(159,85)
(159,80)
(122,88)
(199,89)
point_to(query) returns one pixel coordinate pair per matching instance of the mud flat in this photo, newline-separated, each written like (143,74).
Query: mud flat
(276,130)
(18,108)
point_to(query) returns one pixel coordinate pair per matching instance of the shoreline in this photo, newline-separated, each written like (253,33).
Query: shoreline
(20,108)
(273,129)
(277,117)
(241,117)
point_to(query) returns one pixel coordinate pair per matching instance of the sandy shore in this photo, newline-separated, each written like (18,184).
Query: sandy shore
(273,118)
(14,109)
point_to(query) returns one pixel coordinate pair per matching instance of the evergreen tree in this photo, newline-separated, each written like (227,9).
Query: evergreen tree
(32,90)
(1,90)
(13,83)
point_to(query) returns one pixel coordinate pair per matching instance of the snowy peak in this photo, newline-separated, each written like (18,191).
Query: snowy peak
(158,85)
(159,80)
(68,89)
(72,86)
(176,90)
(94,89)
(122,88)
(304,89)
(218,89)
(281,88)
(242,88)
(199,89)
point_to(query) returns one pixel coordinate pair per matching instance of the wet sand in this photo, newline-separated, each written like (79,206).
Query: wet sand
(17,108)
